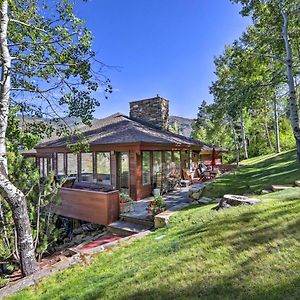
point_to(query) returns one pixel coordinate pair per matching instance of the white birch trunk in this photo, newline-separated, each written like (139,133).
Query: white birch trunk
(268,135)
(10,193)
(276,125)
(244,141)
(294,105)
(236,145)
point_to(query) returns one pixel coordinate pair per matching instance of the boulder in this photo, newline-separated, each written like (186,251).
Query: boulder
(297,182)
(235,200)
(196,195)
(277,188)
(195,192)
(162,219)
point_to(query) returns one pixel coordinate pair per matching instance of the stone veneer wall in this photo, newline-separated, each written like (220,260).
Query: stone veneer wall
(154,111)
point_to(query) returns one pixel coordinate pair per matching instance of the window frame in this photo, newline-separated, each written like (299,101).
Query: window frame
(80,170)
(148,182)
(96,165)
(63,163)
(67,162)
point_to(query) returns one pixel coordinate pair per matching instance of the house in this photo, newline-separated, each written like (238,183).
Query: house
(127,152)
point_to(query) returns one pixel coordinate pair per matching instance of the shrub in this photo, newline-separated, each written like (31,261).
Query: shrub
(124,198)
(156,206)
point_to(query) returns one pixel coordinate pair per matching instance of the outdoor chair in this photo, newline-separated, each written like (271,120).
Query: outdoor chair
(207,175)
(161,183)
(166,183)
(187,176)
(174,179)
(198,175)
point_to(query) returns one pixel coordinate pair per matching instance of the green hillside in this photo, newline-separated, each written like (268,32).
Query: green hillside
(249,252)
(257,174)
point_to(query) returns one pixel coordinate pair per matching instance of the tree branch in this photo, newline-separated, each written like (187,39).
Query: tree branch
(27,25)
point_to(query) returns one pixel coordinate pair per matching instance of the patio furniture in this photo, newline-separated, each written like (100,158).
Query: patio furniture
(187,175)
(198,175)
(207,175)
(167,183)
(192,178)
(174,178)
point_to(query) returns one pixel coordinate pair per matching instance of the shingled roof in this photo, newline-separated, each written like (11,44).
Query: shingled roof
(120,129)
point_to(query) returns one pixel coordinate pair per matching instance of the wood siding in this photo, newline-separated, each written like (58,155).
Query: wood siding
(90,206)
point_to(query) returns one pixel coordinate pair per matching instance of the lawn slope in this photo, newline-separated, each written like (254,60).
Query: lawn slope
(257,174)
(240,253)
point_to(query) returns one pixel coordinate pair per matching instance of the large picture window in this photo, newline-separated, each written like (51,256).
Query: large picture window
(177,163)
(157,162)
(103,167)
(72,165)
(43,167)
(87,167)
(61,164)
(168,162)
(185,159)
(146,167)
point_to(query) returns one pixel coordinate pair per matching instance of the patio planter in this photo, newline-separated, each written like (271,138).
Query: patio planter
(90,206)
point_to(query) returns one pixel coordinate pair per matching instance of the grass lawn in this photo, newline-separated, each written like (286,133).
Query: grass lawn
(257,174)
(249,252)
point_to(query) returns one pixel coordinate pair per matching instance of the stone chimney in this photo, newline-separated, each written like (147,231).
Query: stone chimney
(154,111)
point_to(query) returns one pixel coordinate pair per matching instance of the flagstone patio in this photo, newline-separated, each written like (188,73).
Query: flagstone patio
(172,199)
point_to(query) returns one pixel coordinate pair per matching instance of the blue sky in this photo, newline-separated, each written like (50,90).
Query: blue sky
(163,47)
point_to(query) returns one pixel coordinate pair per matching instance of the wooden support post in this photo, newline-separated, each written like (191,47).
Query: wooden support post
(213,161)
(135,170)
(113,168)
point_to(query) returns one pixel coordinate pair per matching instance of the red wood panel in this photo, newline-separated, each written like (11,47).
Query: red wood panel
(95,207)
(113,165)
(133,175)
(145,192)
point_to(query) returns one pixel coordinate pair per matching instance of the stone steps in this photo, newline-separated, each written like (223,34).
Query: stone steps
(162,219)
(123,228)
(277,188)
(134,220)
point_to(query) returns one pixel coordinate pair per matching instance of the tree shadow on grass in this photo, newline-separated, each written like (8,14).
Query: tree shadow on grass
(268,230)
(226,285)
(222,288)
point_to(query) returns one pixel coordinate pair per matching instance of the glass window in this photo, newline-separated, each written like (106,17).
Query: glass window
(72,165)
(185,159)
(61,164)
(123,173)
(50,165)
(194,160)
(157,162)
(87,167)
(177,164)
(168,162)
(146,167)
(45,166)
(103,167)
(42,167)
